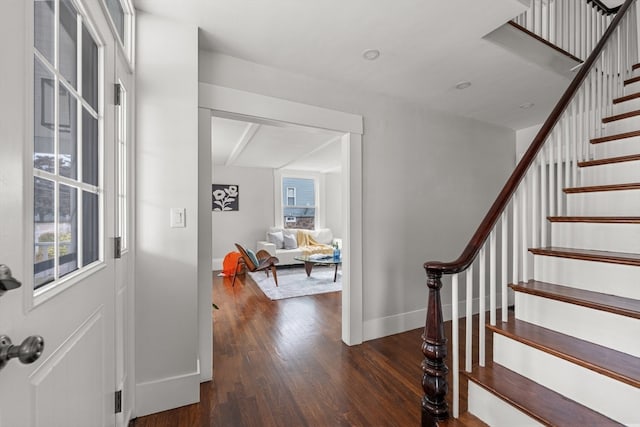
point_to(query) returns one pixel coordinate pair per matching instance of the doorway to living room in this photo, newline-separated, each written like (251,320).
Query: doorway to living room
(257,109)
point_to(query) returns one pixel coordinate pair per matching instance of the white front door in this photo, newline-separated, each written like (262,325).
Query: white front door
(123,154)
(57,204)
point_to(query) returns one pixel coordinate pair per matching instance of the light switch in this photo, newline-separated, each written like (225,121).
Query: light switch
(178,219)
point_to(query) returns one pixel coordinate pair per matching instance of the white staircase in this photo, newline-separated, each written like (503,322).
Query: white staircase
(575,334)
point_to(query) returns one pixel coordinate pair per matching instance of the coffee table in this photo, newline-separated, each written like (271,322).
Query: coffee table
(310,261)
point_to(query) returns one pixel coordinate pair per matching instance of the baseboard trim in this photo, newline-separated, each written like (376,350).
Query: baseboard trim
(403,322)
(167,393)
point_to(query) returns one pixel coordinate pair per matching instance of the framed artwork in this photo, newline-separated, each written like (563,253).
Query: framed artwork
(224,197)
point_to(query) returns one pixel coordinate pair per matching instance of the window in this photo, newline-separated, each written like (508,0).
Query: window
(299,202)
(121,18)
(66,154)
(121,135)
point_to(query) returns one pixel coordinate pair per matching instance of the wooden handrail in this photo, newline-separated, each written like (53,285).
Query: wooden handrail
(483,231)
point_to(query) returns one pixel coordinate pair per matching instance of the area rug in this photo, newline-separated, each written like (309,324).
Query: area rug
(293,282)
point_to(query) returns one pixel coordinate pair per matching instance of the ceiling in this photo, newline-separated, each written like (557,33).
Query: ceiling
(426,47)
(273,145)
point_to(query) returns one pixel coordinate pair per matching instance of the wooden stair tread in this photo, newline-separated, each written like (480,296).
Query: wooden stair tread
(464,420)
(632,80)
(610,187)
(609,160)
(615,137)
(540,403)
(626,98)
(605,361)
(622,306)
(589,255)
(635,66)
(597,219)
(621,116)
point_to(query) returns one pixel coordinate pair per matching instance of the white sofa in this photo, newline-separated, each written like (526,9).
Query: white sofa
(286,256)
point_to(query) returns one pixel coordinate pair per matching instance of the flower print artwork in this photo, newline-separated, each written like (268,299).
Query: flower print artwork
(225,197)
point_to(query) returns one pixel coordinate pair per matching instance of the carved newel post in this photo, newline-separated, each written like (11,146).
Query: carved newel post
(434,348)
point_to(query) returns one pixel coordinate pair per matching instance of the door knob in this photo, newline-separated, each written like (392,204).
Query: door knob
(27,352)
(7,282)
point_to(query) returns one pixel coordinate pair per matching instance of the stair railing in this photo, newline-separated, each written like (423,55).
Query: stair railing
(517,219)
(574,26)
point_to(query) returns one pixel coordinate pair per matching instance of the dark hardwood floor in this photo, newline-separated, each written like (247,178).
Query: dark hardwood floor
(282,363)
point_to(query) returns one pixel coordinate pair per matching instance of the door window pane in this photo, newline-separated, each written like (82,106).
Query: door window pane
(89,148)
(117,15)
(89,69)
(67,230)
(90,228)
(67,134)
(44,231)
(43,20)
(43,117)
(68,41)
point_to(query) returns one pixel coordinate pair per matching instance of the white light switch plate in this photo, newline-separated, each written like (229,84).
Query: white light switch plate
(178,219)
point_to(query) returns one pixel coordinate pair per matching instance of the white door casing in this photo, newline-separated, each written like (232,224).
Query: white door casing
(73,382)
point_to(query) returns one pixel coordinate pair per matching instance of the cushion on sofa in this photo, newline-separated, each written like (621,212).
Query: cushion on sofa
(290,241)
(277,238)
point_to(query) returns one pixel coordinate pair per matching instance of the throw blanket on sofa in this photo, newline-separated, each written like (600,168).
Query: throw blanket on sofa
(310,246)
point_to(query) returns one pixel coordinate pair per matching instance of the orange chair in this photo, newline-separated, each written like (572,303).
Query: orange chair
(263,262)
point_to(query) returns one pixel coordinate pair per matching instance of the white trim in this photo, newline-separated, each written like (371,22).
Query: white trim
(233,101)
(261,106)
(171,392)
(398,323)
(248,134)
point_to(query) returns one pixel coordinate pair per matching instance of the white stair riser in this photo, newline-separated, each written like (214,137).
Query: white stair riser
(623,125)
(596,326)
(626,106)
(631,88)
(613,279)
(494,411)
(596,236)
(604,203)
(577,383)
(620,147)
(611,173)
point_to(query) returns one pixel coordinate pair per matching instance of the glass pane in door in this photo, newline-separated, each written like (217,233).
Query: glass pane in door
(67,230)
(89,69)
(90,228)
(44,232)
(43,22)
(67,134)
(43,117)
(68,42)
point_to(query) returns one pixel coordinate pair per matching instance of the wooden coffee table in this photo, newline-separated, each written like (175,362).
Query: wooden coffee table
(309,262)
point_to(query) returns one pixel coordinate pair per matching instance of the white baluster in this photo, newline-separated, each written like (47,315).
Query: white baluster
(504,248)
(574,142)
(455,346)
(540,18)
(552,174)
(524,191)
(516,232)
(482,307)
(535,198)
(469,321)
(566,144)
(543,197)
(558,146)
(493,278)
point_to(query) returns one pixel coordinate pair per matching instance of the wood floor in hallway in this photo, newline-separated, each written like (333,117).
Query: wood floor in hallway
(282,363)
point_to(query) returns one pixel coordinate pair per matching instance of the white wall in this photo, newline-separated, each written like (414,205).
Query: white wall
(333,202)
(167,177)
(428,179)
(255,215)
(524,138)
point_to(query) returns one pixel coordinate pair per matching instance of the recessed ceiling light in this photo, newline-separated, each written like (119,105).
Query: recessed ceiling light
(371,54)
(463,85)
(527,105)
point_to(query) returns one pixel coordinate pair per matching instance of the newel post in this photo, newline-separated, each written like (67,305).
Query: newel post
(434,348)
